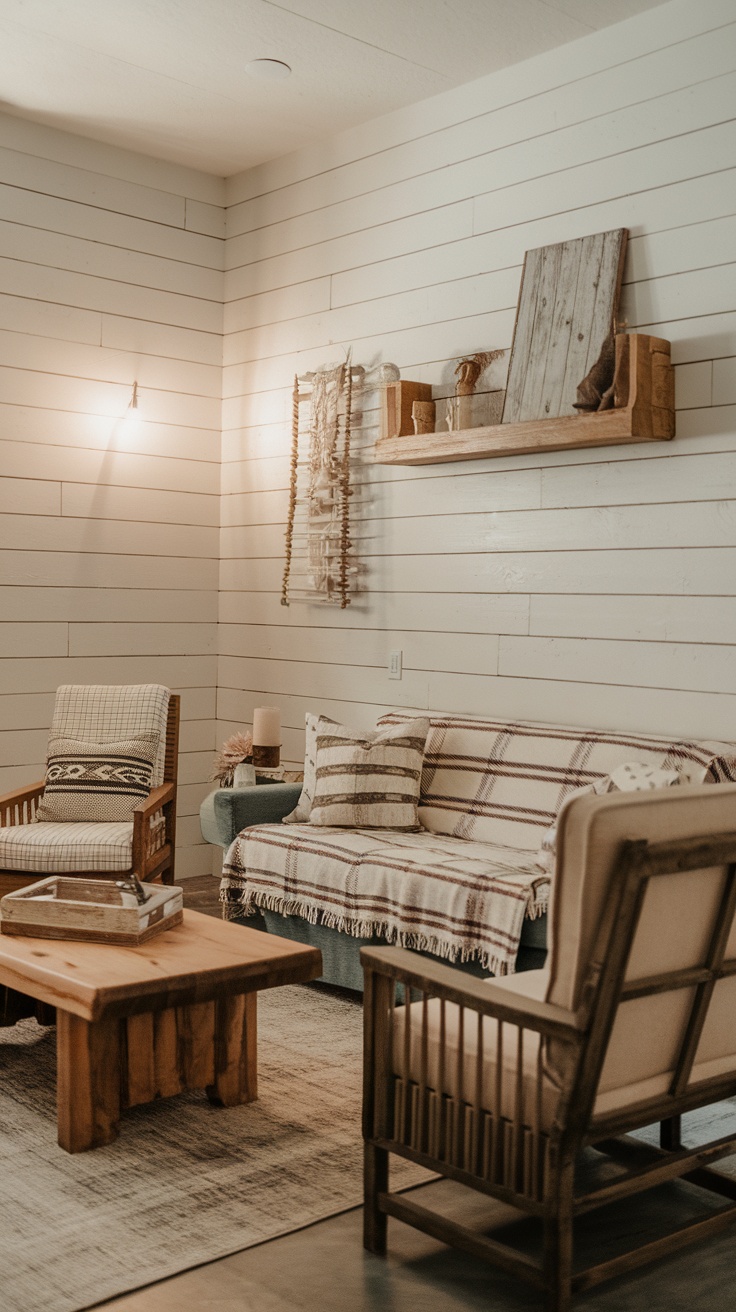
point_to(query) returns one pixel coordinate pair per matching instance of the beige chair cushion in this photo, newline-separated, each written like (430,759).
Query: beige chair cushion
(453,1075)
(102,713)
(57,849)
(673,932)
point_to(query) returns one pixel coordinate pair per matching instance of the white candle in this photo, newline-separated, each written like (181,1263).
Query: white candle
(267,726)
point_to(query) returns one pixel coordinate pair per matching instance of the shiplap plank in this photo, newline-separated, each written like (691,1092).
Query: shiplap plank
(28,639)
(671,479)
(696,667)
(690,571)
(697,153)
(100,190)
(120,605)
(599,527)
(44,319)
(464,494)
(162,340)
(29,567)
(481,612)
(204,217)
(26,710)
(635,619)
(21,459)
(94,432)
(58,534)
(76,254)
(54,214)
(89,292)
(28,496)
(579,147)
(657,243)
(31,674)
(129,639)
(26,748)
(309,679)
(453,300)
(59,391)
(91,501)
(476,653)
(724,382)
(50,143)
(80,361)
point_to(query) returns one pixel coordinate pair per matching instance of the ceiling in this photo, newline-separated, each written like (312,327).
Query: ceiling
(166,77)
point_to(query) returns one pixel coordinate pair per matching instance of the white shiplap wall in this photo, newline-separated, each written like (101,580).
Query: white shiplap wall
(110,270)
(591,588)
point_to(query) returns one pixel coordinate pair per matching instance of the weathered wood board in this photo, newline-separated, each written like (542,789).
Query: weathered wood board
(568,302)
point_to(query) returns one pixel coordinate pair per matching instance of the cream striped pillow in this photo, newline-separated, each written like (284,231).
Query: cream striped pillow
(369,780)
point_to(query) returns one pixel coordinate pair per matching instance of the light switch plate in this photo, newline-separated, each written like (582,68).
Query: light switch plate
(395,664)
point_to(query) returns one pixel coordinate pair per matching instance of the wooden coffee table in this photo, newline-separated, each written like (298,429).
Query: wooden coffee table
(134,1024)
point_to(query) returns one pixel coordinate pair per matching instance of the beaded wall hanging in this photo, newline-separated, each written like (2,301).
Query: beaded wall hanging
(318,547)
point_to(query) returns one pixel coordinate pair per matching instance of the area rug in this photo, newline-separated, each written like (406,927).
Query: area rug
(185,1182)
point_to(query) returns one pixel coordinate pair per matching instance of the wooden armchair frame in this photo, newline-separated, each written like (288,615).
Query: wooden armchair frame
(526,1165)
(154,846)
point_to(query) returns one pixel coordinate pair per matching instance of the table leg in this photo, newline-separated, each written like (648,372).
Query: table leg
(236,1079)
(88,1081)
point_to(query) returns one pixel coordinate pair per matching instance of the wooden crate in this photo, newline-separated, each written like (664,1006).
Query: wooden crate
(92,910)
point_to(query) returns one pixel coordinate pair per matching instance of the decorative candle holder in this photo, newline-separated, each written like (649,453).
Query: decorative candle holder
(266,737)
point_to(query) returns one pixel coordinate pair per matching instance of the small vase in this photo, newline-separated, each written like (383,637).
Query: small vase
(244,775)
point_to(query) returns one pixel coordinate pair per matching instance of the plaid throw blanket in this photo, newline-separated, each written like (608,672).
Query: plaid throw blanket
(504,781)
(440,894)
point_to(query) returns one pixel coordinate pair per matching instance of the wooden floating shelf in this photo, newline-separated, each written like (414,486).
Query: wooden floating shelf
(644,411)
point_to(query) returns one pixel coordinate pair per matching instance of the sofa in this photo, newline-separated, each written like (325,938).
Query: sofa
(470,887)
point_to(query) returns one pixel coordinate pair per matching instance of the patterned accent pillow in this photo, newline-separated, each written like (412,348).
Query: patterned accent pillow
(302,810)
(368,780)
(97,782)
(632,777)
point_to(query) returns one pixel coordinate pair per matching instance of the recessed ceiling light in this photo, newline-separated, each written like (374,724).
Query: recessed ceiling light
(269,70)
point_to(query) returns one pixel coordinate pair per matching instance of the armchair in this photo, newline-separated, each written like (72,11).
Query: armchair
(503,1085)
(145,846)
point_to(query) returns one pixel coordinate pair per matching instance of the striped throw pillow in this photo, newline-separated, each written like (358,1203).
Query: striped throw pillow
(368,780)
(97,782)
(301,812)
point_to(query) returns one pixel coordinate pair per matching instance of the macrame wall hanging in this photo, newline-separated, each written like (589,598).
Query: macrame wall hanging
(318,564)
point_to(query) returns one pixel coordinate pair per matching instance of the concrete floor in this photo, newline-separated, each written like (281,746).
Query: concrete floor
(324,1268)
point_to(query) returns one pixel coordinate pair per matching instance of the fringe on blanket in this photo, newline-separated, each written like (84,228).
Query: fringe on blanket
(246,903)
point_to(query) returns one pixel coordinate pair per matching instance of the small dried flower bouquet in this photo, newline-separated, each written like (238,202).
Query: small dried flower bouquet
(235,751)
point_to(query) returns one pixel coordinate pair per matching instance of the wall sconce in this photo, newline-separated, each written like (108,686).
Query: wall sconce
(132,417)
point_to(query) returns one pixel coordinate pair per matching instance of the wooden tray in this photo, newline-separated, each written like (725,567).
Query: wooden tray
(90,909)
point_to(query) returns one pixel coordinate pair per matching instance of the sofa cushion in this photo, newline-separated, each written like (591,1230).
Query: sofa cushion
(368,779)
(427,891)
(57,849)
(504,781)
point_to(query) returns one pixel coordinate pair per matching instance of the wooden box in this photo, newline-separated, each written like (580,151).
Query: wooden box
(95,910)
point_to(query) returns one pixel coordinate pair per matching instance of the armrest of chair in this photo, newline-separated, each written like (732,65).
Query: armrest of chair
(438,981)
(226,811)
(18,807)
(157,798)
